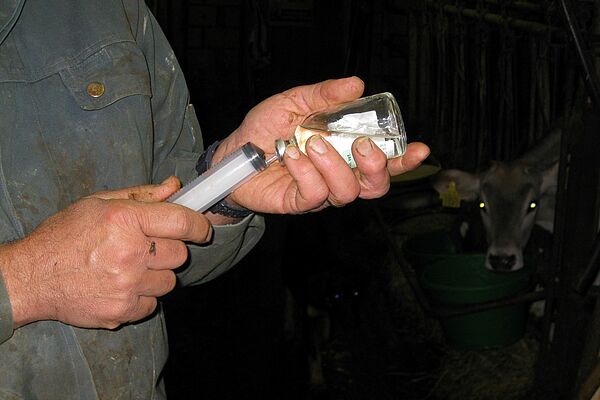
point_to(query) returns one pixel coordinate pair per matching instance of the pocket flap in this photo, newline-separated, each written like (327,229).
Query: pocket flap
(114,72)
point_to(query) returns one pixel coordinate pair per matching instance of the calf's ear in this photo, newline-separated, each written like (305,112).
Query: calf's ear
(467,184)
(550,179)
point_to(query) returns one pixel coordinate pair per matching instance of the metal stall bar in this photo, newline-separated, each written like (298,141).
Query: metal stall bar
(529,26)
(570,348)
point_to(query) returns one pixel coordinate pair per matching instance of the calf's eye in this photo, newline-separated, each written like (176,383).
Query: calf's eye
(532,206)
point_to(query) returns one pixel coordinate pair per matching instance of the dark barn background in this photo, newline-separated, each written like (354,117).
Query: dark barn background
(477,80)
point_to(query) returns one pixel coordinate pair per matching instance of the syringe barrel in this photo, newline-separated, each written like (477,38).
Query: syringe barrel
(221,179)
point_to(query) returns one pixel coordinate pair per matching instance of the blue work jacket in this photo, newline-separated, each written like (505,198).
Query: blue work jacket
(92,98)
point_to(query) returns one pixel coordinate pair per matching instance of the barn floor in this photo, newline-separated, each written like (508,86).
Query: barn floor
(230,339)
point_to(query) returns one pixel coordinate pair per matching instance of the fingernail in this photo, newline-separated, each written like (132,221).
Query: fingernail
(172,179)
(292,152)
(364,146)
(317,143)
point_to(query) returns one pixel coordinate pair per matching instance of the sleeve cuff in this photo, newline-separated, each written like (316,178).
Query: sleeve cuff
(229,245)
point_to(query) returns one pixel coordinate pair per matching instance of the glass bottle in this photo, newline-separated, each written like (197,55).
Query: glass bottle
(377,116)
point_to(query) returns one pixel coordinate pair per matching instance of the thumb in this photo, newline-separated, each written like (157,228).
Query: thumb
(324,94)
(146,193)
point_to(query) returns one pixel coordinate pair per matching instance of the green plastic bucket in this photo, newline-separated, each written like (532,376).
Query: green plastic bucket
(461,279)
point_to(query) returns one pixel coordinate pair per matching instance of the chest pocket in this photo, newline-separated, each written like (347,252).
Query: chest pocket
(114,72)
(97,126)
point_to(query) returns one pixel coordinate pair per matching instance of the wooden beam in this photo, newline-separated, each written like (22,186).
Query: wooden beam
(496,19)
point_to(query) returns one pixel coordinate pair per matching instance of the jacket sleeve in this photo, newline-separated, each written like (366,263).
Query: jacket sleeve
(6,320)
(177,146)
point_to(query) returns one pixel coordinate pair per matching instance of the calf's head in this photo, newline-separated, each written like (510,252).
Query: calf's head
(512,198)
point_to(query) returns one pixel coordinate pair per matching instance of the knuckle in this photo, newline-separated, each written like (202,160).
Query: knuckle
(181,221)
(375,192)
(147,307)
(122,256)
(350,194)
(172,282)
(122,310)
(383,190)
(132,310)
(180,253)
(169,282)
(318,196)
(208,232)
(345,196)
(124,282)
(113,212)
(111,325)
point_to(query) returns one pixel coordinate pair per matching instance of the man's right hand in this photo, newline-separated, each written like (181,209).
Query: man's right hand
(102,261)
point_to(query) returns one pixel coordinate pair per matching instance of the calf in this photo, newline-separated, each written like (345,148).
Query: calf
(512,197)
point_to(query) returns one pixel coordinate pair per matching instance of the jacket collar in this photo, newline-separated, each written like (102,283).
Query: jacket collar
(10,10)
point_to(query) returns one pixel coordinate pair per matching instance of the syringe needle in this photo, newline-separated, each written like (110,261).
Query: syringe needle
(272,159)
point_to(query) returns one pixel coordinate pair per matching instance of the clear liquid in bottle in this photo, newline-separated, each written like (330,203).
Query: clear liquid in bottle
(377,117)
(392,146)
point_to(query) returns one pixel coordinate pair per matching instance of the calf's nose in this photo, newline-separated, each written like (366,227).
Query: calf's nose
(502,262)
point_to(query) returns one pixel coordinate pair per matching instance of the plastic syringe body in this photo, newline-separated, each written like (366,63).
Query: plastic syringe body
(222,178)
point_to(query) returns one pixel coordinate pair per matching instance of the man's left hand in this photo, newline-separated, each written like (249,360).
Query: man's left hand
(320,178)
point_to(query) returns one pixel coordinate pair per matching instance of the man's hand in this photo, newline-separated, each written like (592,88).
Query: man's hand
(102,261)
(321,179)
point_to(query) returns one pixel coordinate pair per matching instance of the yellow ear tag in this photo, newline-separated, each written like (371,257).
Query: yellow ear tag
(450,198)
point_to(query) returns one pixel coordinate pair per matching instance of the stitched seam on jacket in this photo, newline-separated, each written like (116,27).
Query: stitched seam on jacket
(11,208)
(70,62)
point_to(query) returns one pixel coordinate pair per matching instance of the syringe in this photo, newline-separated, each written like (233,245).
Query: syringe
(223,178)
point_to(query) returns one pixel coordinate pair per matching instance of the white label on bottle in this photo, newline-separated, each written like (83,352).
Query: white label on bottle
(359,123)
(386,145)
(343,145)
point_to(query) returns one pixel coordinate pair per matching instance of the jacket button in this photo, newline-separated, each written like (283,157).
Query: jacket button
(95,89)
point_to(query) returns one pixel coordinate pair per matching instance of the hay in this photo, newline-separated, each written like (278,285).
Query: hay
(505,373)
(395,351)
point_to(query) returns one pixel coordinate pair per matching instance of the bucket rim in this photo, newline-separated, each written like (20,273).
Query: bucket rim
(524,275)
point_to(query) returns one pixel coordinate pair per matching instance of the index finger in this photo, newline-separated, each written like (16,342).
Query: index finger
(172,221)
